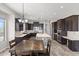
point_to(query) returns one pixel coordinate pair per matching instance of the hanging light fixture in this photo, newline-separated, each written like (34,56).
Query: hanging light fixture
(20,20)
(23,20)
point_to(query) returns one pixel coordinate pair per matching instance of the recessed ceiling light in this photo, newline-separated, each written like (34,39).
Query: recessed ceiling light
(61,6)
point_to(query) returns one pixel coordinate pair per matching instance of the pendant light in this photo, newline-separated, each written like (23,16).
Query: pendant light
(23,20)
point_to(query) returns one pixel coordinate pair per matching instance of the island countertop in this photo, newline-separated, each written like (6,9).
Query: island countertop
(20,34)
(72,35)
(42,35)
(73,39)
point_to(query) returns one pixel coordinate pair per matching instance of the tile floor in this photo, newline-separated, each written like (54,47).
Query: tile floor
(5,52)
(56,50)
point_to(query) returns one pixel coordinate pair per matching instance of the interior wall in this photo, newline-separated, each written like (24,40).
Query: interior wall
(11,27)
(4,44)
(48,27)
(9,17)
(9,31)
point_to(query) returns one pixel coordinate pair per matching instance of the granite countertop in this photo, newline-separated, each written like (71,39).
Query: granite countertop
(43,35)
(71,35)
(20,34)
(65,37)
(70,38)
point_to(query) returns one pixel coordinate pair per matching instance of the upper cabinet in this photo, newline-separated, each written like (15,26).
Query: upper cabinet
(71,23)
(68,24)
(29,26)
(55,27)
(61,24)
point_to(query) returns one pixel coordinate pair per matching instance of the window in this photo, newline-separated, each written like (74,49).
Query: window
(2,29)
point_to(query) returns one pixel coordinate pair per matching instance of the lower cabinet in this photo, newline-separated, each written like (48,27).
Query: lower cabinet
(60,39)
(55,37)
(63,41)
(73,45)
(18,39)
(26,37)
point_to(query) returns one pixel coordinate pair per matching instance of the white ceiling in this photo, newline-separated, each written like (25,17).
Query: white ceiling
(45,11)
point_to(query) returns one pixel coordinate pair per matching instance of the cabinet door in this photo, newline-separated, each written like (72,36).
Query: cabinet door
(63,24)
(59,24)
(66,25)
(75,23)
(29,26)
(55,27)
(70,25)
(20,27)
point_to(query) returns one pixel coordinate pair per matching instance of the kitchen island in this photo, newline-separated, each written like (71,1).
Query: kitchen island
(20,35)
(72,40)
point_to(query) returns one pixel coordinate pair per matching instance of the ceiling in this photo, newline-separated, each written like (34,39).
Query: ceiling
(45,11)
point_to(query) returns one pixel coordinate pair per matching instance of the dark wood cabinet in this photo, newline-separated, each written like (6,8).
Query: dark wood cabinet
(55,27)
(61,30)
(73,45)
(20,26)
(63,41)
(71,23)
(55,37)
(30,26)
(59,25)
(63,25)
